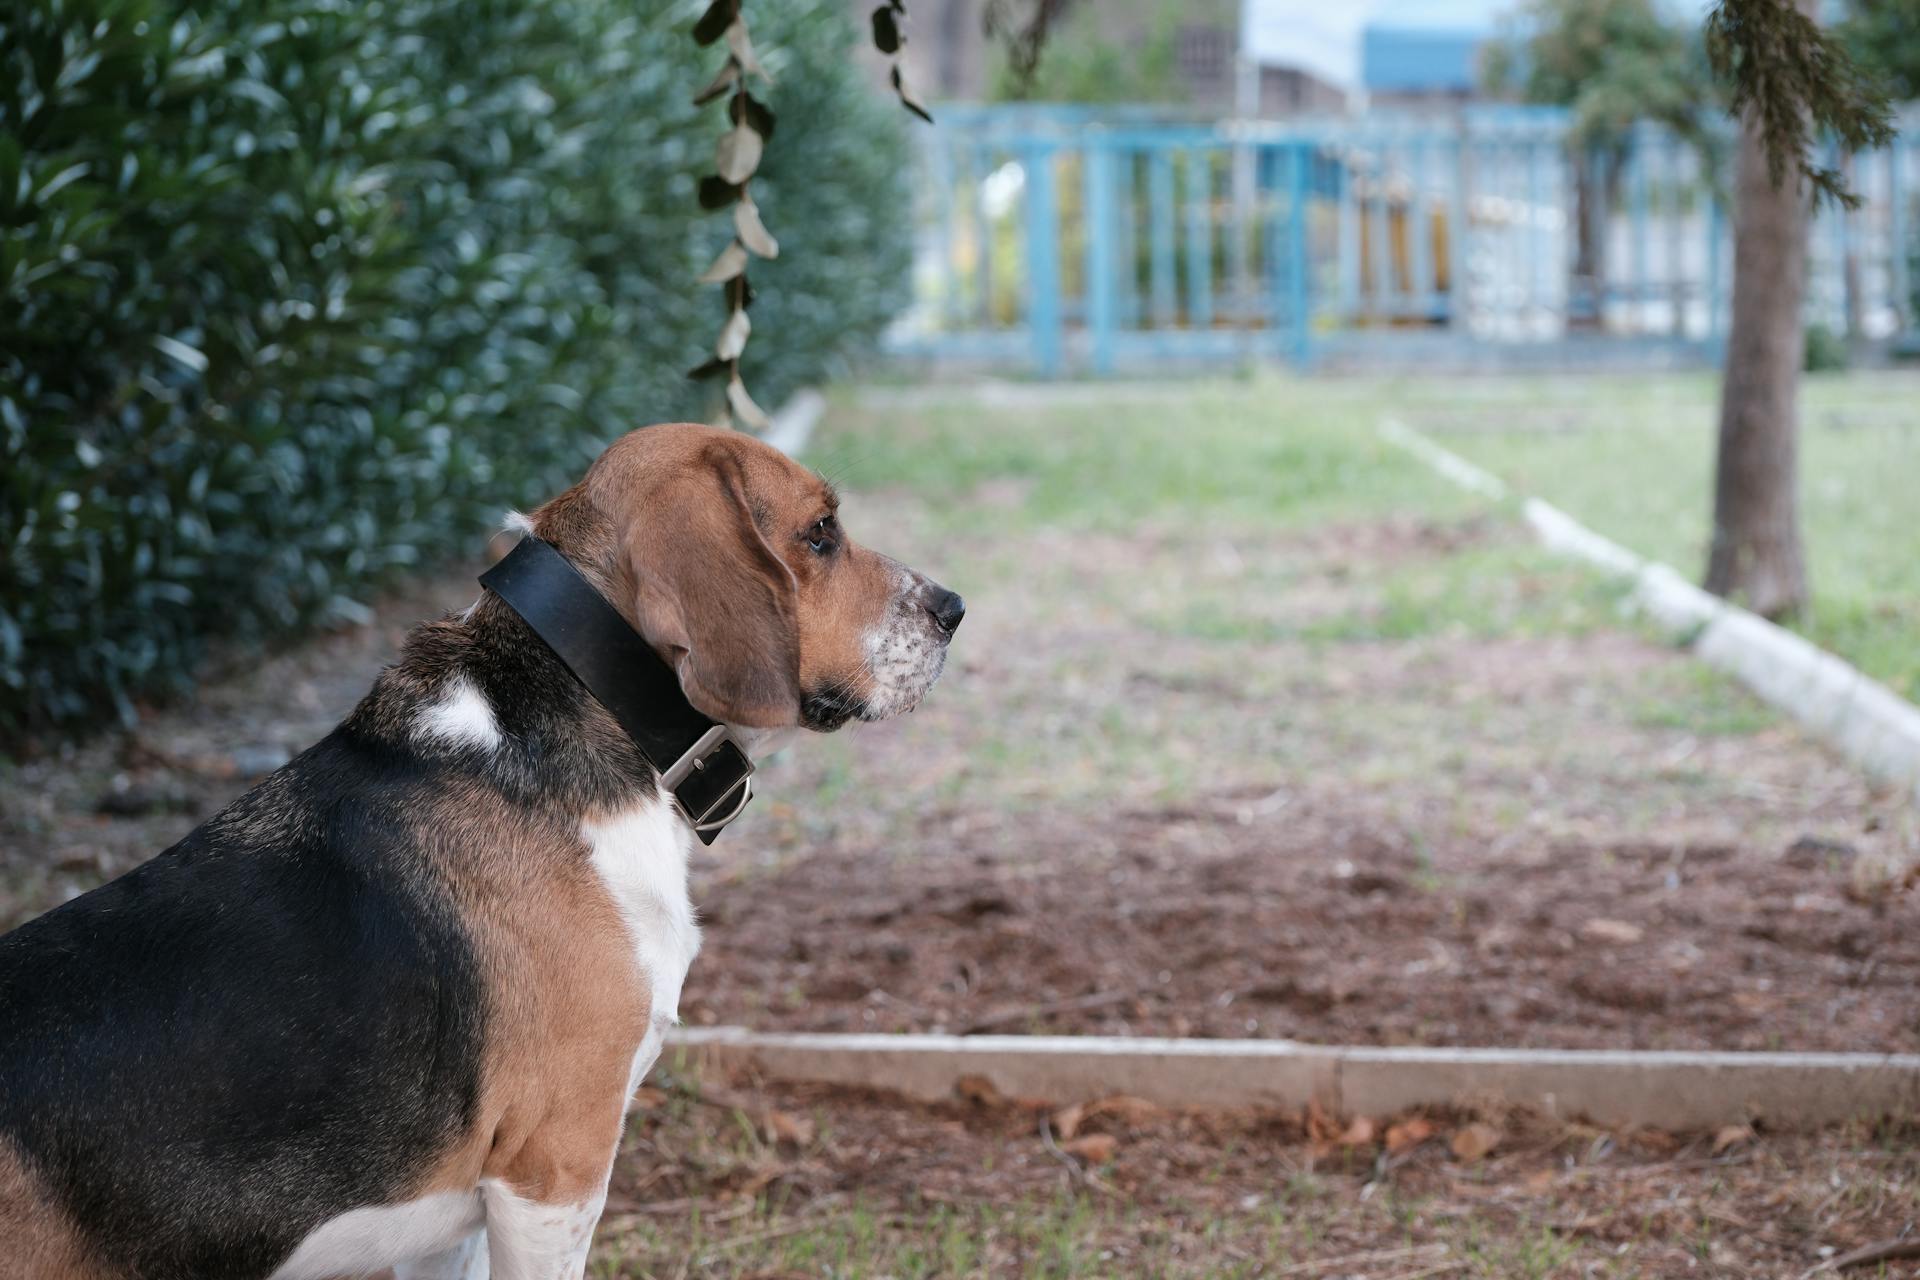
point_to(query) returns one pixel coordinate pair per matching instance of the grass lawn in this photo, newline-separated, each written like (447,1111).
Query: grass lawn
(1633,458)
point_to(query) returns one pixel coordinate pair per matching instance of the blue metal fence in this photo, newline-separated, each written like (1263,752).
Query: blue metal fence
(1062,238)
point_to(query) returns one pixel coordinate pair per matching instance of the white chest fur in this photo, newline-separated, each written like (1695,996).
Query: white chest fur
(641,858)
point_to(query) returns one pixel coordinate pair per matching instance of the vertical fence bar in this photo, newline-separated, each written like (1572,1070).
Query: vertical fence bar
(940,151)
(1677,286)
(1382,301)
(1349,237)
(1899,268)
(1238,267)
(1043,259)
(1297,302)
(1420,231)
(983,246)
(1099,162)
(1125,252)
(1637,198)
(1199,192)
(1535,229)
(1161,233)
(1458,216)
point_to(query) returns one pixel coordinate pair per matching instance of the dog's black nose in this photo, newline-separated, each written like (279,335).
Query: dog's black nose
(947,609)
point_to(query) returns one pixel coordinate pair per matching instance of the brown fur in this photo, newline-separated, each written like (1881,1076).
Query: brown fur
(40,1245)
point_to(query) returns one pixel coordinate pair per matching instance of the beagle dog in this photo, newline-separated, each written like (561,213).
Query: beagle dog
(387,1009)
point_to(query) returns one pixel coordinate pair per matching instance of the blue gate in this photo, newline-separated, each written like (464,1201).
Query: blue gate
(1062,237)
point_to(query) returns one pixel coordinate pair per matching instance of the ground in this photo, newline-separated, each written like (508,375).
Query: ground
(1255,727)
(793,1181)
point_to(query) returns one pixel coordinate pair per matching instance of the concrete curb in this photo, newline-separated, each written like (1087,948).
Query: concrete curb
(794,421)
(1864,720)
(1667,1090)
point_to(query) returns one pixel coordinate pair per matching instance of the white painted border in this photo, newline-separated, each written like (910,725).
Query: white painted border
(1672,1090)
(1864,720)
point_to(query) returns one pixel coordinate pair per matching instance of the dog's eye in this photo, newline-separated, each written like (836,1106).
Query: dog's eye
(820,536)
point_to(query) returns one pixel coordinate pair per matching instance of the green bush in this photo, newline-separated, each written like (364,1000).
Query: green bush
(295,294)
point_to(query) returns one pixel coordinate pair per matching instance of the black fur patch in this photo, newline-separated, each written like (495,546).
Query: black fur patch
(272,1022)
(281,1018)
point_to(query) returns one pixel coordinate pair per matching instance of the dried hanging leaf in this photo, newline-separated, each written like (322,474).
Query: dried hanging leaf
(733,336)
(1475,1141)
(742,46)
(753,232)
(713,23)
(744,408)
(1095,1148)
(907,98)
(723,80)
(746,109)
(716,192)
(711,369)
(731,262)
(740,294)
(738,154)
(886,30)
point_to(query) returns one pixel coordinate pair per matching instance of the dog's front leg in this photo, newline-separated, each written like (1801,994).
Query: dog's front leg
(465,1261)
(540,1239)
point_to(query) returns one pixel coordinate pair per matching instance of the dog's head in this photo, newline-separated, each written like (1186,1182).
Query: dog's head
(730,559)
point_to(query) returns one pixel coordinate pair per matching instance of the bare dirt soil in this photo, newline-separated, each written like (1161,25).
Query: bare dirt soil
(1261,915)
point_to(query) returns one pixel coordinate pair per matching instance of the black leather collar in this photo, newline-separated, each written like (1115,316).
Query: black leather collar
(700,764)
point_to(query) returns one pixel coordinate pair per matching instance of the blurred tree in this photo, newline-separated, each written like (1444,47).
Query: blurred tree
(1790,80)
(1884,38)
(1087,61)
(1613,64)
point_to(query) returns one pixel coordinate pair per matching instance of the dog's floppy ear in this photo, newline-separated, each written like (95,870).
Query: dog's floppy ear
(716,598)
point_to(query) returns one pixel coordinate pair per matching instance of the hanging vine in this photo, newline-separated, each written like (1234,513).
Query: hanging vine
(890,38)
(735,160)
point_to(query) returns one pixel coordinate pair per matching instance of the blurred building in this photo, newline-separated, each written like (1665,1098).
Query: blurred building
(1263,57)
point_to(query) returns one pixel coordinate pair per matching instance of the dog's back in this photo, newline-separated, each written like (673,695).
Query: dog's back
(252,1033)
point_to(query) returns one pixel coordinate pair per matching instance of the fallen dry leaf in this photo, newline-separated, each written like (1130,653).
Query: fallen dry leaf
(1475,1141)
(1734,1135)
(1322,1129)
(784,1126)
(978,1090)
(1616,931)
(1407,1135)
(1095,1148)
(1124,1107)
(648,1098)
(1357,1134)
(1066,1121)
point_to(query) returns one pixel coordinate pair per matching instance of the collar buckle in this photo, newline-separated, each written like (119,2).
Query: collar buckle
(706,780)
